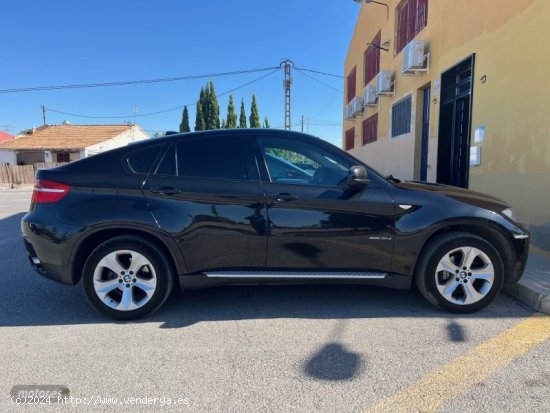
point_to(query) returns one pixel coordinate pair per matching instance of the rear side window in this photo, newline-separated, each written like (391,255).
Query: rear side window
(218,157)
(167,165)
(141,161)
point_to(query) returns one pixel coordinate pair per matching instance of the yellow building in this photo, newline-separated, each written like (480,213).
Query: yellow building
(455,92)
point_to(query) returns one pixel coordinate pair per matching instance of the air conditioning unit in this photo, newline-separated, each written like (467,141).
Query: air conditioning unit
(370,95)
(415,58)
(384,83)
(357,105)
(348,113)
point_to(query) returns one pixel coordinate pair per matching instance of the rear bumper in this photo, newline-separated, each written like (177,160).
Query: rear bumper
(48,246)
(59,273)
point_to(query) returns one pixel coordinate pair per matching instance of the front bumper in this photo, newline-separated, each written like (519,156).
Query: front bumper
(521,246)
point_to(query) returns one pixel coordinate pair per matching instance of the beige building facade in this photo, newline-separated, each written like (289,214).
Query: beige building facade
(455,92)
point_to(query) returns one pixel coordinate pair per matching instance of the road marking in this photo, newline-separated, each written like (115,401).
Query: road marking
(430,392)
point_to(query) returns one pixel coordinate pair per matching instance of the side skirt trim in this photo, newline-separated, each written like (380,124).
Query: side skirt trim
(296,274)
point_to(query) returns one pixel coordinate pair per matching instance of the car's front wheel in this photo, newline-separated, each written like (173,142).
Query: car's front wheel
(127,277)
(460,272)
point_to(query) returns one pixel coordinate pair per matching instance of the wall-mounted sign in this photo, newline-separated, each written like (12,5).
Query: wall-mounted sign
(436,88)
(475,155)
(479,134)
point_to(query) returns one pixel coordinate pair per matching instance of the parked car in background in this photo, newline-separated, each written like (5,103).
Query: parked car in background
(261,206)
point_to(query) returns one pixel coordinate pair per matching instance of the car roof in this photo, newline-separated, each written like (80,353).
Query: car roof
(242,132)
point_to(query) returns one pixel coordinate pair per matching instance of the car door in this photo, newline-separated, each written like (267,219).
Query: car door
(206,192)
(316,221)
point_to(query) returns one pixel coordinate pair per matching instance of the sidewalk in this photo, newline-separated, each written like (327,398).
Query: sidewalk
(533,289)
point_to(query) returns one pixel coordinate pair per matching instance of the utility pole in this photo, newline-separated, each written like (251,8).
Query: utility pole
(43,115)
(287,64)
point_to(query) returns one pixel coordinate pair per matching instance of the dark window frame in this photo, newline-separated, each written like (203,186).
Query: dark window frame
(370,129)
(411,18)
(401,113)
(349,138)
(63,157)
(372,59)
(351,84)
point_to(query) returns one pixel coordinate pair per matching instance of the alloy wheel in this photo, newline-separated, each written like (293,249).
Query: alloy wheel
(125,280)
(464,275)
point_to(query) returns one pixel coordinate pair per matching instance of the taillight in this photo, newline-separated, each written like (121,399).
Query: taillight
(48,191)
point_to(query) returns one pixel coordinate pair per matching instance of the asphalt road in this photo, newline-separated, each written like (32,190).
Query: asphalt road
(248,349)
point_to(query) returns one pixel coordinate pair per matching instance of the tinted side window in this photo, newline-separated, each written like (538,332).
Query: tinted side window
(292,161)
(167,165)
(216,157)
(142,160)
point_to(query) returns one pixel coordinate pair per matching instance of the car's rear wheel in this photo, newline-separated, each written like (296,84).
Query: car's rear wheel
(460,272)
(127,277)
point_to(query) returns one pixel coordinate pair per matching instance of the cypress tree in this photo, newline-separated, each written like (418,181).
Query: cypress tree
(184,125)
(231,121)
(254,114)
(212,112)
(200,123)
(199,120)
(223,125)
(206,110)
(242,117)
(266,124)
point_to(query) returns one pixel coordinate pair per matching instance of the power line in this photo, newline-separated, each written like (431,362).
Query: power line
(164,110)
(134,82)
(318,81)
(318,72)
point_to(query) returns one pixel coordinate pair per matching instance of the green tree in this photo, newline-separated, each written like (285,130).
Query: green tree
(200,123)
(266,124)
(212,108)
(205,105)
(231,121)
(223,125)
(254,114)
(242,116)
(184,125)
(199,118)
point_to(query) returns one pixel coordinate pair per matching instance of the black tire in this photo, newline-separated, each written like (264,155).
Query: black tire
(162,269)
(435,250)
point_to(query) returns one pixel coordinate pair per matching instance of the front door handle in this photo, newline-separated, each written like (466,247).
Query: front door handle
(283,197)
(166,190)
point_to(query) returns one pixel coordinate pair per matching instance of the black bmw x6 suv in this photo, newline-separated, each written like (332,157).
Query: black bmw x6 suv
(261,206)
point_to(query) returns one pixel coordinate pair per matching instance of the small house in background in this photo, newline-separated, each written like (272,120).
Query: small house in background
(66,143)
(5,136)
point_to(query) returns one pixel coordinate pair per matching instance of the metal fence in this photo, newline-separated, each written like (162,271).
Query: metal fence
(23,174)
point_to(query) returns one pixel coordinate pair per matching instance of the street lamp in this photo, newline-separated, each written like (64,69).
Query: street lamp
(376,2)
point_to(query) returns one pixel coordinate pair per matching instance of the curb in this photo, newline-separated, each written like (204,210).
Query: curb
(530,296)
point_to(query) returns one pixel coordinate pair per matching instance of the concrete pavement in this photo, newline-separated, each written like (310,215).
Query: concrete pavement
(534,287)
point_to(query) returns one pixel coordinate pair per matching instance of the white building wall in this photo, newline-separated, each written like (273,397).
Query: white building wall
(132,135)
(389,155)
(8,157)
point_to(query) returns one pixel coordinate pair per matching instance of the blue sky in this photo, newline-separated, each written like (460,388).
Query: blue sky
(68,42)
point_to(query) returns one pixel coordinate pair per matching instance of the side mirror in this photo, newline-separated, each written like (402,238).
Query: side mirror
(357,176)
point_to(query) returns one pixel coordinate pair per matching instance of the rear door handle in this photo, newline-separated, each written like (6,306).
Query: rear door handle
(166,190)
(283,197)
